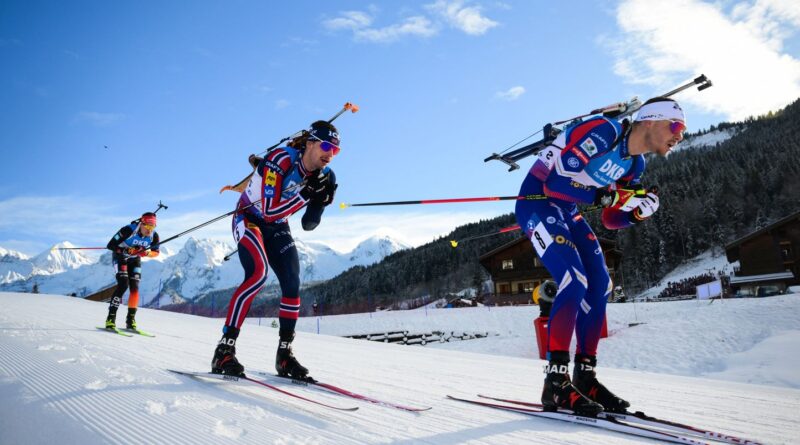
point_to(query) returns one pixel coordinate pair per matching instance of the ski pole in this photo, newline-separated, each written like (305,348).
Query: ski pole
(76,248)
(444,201)
(205,224)
(454,243)
(160,206)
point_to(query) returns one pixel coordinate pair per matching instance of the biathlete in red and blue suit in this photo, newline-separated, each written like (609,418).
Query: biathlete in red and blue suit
(599,161)
(284,181)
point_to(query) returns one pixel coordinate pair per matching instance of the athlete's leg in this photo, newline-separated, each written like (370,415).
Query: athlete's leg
(593,306)
(121,268)
(135,276)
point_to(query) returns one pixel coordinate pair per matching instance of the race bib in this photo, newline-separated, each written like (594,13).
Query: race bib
(541,239)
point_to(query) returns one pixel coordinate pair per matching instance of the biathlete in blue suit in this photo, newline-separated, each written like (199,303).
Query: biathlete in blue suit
(598,161)
(128,246)
(285,181)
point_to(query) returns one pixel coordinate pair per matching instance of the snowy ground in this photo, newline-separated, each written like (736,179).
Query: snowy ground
(62,381)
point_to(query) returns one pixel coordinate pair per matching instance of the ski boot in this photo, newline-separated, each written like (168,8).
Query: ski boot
(111,319)
(130,320)
(285,362)
(224,361)
(559,392)
(585,379)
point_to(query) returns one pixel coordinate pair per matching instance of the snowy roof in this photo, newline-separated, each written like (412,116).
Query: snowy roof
(753,234)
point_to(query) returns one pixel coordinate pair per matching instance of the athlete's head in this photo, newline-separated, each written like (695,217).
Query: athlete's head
(322,145)
(148,223)
(658,126)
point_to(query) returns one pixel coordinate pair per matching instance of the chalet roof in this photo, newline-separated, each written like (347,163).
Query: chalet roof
(503,247)
(495,251)
(732,248)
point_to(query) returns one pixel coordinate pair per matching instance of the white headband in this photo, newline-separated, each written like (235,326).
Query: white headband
(661,111)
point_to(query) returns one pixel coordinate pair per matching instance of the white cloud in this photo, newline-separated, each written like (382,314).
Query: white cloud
(513,93)
(281,104)
(465,18)
(360,24)
(352,20)
(741,51)
(412,26)
(98,119)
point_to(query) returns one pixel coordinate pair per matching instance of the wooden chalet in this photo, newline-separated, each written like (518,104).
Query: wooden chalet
(769,258)
(516,270)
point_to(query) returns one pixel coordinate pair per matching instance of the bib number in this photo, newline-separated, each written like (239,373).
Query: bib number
(541,239)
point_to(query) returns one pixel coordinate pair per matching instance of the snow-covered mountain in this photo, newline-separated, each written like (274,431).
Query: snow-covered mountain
(55,261)
(320,262)
(710,139)
(13,266)
(198,268)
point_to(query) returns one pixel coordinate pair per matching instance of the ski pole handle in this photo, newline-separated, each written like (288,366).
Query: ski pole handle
(347,106)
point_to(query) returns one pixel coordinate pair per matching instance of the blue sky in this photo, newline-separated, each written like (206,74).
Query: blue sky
(109,107)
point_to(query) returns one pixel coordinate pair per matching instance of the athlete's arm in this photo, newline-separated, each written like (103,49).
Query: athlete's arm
(121,235)
(274,169)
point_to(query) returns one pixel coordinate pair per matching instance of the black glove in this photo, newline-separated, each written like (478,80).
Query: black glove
(254,160)
(320,188)
(312,216)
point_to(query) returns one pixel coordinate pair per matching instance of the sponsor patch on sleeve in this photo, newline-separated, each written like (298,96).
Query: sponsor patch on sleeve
(580,155)
(589,147)
(271,179)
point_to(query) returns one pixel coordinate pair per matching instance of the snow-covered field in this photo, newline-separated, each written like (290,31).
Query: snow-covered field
(729,365)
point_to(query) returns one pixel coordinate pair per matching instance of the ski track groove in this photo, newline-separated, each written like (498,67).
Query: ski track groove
(43,387)
(49,381)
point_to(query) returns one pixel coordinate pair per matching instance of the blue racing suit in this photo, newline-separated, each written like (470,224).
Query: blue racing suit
(589,156)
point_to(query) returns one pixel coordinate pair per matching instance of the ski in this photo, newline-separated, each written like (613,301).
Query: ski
(347,393)
(231,378)
(139,332)
(641,418)
(114,331)
(606,424)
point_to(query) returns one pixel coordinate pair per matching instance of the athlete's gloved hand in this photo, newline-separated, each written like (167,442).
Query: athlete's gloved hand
(254,160)
(143,253)
(133,251)
(646,207)
(624,199)
(320,188)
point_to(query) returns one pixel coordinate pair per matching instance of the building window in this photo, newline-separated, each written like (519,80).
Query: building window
(786,251)
(527,287)
(508,264)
